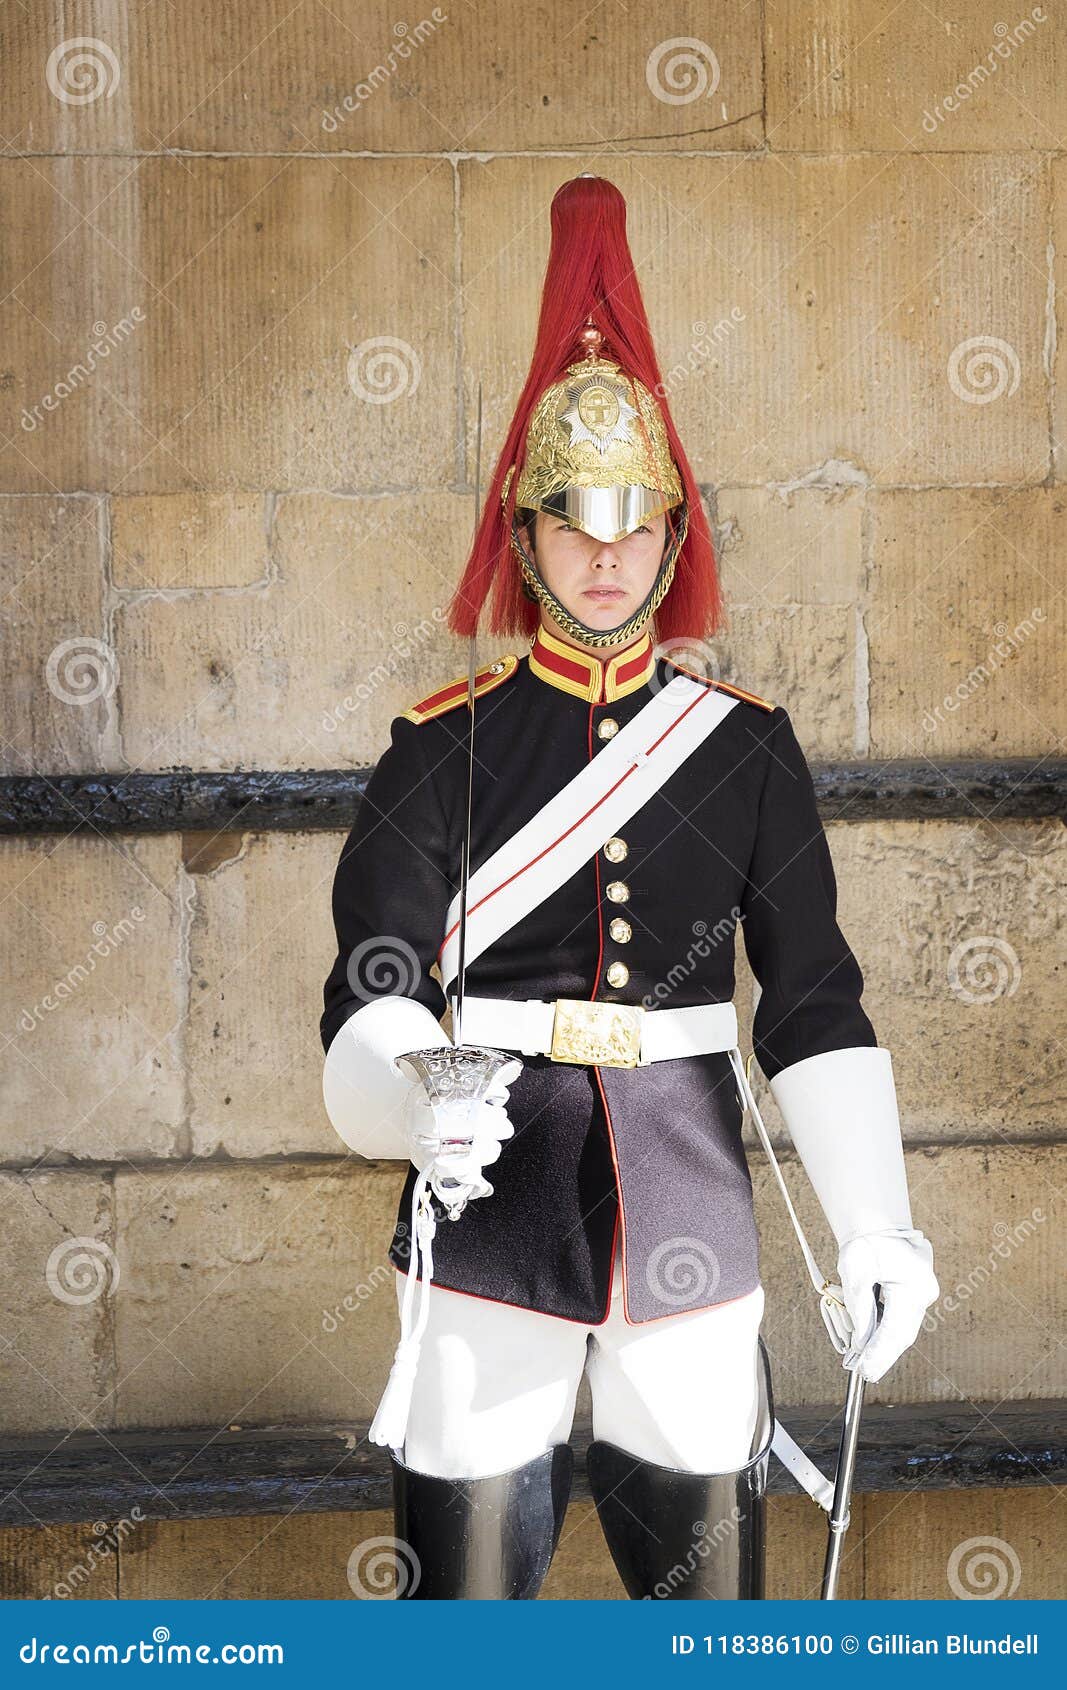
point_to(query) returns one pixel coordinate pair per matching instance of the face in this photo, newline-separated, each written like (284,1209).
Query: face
(601,582)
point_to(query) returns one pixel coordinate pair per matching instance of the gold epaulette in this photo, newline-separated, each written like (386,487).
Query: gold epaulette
(739,692)
(490,675)
(723,686)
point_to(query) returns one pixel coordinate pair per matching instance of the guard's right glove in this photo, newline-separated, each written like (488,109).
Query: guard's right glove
(457,1139)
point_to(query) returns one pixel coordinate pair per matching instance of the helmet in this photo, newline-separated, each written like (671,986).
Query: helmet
(591,440)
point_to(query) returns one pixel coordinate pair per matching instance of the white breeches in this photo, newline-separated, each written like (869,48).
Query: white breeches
(496,1385)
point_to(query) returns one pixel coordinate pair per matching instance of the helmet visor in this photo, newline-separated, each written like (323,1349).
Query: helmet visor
(607,513)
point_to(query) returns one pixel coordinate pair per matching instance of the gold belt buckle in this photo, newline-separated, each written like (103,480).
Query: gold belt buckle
(608,1034)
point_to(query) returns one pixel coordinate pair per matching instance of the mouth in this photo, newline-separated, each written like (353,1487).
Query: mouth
(604,593)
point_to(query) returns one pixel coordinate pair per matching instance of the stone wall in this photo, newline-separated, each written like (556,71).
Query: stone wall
(253,275)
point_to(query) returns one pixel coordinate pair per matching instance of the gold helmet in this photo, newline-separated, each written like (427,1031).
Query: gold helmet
(597,455)
(597,452)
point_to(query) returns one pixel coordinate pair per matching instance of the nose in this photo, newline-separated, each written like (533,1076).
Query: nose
(606,556)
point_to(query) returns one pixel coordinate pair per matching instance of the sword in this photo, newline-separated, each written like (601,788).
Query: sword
(458,1078)
(846,1471)
(464,870)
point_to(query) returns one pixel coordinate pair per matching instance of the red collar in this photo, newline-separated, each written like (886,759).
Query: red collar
(587,676)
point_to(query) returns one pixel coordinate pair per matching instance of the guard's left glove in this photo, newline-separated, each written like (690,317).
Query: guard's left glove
(902,1265)
(841,1111)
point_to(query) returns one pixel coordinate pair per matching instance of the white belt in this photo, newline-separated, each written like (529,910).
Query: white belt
(589,1030)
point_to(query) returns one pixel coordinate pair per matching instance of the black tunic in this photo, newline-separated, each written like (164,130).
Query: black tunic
(733,836)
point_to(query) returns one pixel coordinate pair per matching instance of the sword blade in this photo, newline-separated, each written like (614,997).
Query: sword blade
(846,1470)
(472,665)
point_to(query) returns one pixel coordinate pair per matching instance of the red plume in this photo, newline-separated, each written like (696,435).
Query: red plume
(590,274)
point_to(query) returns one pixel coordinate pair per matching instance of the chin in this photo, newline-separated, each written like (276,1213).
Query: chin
(609,607)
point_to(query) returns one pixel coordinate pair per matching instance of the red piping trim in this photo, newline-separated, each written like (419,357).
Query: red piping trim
(574,1320)
(438,1285)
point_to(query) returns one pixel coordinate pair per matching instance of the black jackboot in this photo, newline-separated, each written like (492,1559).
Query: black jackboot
(481,1538)
(682,1536)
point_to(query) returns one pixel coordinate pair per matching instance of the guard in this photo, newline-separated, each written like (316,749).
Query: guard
(571,881)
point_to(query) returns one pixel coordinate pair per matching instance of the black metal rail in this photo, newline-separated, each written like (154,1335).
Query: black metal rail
(190,1473)
(286,800)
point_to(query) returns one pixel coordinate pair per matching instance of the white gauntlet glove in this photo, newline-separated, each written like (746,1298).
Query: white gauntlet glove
(456,1140)
(902,1264)
(841,1111)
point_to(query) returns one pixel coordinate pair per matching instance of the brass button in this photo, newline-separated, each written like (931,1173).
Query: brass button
(617,891)
(615,850)
(495,668)
(618,974)
(620,930)
(607,728)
